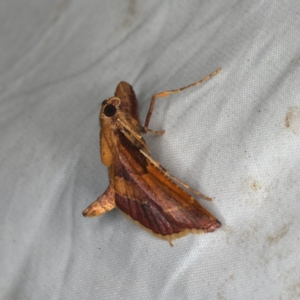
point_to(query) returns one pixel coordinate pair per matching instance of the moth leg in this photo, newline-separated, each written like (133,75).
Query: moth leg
(156,132)
(167,93)
(142,129)
(103,204)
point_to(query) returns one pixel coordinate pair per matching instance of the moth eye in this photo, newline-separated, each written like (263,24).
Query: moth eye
(110,110)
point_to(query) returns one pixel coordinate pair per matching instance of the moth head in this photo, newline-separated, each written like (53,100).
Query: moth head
(110,107)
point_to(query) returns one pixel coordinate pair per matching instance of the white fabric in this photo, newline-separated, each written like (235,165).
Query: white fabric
(235,138)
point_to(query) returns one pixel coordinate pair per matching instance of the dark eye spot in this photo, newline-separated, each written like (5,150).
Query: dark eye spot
(104,102)
(110,110)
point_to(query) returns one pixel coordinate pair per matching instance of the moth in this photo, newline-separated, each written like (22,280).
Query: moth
(138,185)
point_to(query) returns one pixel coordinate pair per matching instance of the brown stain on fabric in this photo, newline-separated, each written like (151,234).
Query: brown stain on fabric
(255,185)
(292,119)
(131,12)
(275,238)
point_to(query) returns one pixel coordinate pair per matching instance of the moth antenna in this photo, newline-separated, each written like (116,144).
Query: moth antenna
(164,171)
(132,134)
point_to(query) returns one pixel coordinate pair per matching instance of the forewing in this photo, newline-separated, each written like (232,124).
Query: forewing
(152,199)
(129,103)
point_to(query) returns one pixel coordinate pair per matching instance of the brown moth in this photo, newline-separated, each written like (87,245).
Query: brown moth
(138,185)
